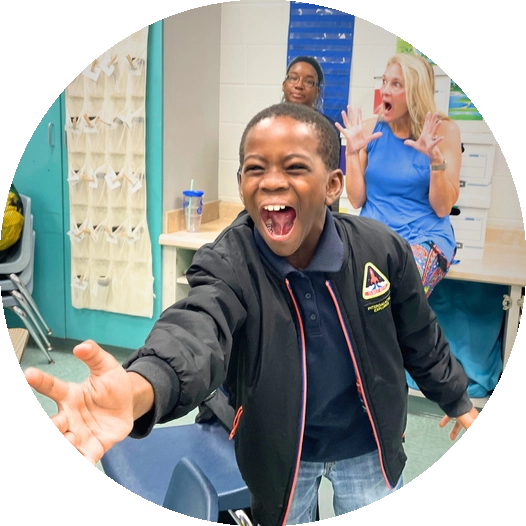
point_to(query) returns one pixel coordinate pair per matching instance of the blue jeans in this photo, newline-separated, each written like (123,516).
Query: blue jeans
(356,482)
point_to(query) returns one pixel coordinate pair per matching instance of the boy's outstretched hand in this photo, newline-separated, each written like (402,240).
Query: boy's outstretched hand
(97,413)
(462,422)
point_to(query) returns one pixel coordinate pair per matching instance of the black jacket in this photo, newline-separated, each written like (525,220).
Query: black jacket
(239,325)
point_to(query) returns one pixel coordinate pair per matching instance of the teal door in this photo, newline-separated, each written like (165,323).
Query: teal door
(39,176)
(42,175)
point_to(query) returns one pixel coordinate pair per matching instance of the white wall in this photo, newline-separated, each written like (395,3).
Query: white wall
(253,61)
(191,103)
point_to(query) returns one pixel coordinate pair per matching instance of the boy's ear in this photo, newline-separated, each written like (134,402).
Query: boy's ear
(334,186)
(239,186)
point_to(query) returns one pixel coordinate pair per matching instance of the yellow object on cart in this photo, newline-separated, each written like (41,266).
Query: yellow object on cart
(13,221)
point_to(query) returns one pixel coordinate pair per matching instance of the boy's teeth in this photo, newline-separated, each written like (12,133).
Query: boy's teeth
(274,208)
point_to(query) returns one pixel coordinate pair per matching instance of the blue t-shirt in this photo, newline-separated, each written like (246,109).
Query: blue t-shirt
(397,181)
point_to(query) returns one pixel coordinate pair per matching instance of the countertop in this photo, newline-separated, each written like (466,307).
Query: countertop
(503,261)
(217,215)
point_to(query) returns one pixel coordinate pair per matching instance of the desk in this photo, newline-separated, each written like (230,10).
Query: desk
(503,263)
(179,245)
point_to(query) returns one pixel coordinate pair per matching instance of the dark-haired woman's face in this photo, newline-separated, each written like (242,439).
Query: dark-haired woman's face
(296,86)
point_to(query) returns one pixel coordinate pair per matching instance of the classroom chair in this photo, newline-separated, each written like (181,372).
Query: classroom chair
(16,284)
(145,466)
(191,493)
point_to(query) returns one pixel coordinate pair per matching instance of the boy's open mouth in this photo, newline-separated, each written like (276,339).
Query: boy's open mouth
(279,219)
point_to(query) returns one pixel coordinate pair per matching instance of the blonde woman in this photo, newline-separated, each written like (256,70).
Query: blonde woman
(403,167)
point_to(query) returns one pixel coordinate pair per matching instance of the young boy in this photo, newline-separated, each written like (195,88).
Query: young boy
(307,317)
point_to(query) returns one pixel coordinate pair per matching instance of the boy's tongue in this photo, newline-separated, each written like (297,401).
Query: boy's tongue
(280,223)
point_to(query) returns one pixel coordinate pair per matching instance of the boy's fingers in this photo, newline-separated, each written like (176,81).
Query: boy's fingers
(61,422)
(445,420)
(89,352)
(94,356)
(46,384)
(456,430)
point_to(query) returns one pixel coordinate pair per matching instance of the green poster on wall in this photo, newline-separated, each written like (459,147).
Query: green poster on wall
(460,107)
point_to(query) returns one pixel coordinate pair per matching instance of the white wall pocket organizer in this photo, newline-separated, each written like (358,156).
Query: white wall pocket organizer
(80,236)
(111,261)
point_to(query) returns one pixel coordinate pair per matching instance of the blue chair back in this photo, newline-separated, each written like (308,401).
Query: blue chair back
(145,466)
(191,493)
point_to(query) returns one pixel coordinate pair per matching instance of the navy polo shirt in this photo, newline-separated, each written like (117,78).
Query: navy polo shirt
(337,426)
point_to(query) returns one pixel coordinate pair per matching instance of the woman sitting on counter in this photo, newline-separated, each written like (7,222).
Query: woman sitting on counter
(403,167)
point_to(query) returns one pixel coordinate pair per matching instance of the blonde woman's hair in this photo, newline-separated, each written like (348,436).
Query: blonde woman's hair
(419,81)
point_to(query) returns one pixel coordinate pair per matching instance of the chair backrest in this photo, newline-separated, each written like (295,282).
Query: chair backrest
(145,466)
(191,493)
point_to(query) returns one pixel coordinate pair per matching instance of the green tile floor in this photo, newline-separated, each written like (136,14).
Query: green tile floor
(425,441)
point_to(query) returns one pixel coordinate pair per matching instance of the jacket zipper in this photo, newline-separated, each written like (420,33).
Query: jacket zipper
(239,412)
(303,402)
(359,383)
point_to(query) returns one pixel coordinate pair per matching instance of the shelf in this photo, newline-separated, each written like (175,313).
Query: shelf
(182,280)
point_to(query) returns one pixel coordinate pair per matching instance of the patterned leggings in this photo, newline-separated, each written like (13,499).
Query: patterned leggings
(431,263)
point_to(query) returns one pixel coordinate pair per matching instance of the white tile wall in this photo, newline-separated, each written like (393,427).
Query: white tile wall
(372,47)
(234,64)
(254,38)
(253,61)
(266,66)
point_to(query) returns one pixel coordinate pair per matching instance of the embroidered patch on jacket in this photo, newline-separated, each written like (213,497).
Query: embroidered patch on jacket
(374,282)
(373,308)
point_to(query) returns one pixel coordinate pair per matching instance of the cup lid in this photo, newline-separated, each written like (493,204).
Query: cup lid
(193,193)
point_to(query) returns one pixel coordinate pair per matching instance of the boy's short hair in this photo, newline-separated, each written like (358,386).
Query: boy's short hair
(328,140)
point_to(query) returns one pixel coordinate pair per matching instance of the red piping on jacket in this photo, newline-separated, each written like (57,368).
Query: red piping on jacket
(235,423)
(358,379)
(304,404)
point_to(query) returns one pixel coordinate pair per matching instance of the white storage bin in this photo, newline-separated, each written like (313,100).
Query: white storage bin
(470,232)
(477,163)
(476,170)
(474,195)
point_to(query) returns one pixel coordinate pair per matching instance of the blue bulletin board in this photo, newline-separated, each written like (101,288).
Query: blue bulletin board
(327,35)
